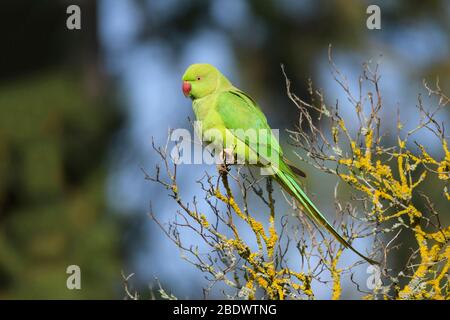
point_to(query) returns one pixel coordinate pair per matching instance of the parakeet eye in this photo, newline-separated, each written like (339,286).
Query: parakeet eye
(198,78)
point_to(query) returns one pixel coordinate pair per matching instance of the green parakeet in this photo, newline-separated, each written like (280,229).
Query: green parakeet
(224,109)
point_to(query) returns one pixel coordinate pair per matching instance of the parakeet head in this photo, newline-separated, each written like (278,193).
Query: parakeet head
(202,79)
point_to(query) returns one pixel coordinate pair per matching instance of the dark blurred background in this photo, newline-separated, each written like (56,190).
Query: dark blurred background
(78,109)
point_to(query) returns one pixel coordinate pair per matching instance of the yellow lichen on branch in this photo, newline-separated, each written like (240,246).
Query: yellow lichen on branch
(396,192)
(391,181)
(336,276)
(261,268)
(391,197)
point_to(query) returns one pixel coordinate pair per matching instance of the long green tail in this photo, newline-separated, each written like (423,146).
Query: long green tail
(286,178)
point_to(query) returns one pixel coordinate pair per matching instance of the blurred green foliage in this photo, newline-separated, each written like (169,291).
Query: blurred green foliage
(55,130)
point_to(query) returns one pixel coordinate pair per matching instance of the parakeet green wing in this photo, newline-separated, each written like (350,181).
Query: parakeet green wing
(240,114)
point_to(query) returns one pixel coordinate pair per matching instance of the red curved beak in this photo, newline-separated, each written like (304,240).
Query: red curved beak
(186,88)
